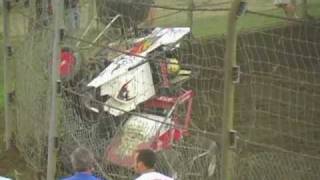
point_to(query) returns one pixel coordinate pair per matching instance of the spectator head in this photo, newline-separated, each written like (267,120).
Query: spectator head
(82,160)
(145,159)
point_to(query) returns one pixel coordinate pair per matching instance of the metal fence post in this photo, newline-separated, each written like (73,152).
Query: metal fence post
(6,76)
(53,137)
(190,14)
(229,87)
(304,7)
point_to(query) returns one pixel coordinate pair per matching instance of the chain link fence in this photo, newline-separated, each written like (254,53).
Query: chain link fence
(276,101)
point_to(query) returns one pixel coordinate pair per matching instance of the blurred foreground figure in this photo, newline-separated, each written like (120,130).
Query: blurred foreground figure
(145,160)
(83,164)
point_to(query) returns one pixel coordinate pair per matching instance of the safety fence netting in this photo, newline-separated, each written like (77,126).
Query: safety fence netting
(133,75)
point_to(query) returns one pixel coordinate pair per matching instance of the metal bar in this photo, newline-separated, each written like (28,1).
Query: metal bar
(304,8)
(6,80)
(188,115)
(229,88)
(86,32)
(190,14)
(105,29)
(52,137)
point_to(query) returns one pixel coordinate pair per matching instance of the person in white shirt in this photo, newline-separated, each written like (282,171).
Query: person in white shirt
(145,160)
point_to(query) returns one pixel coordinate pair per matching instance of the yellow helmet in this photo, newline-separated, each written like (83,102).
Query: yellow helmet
(173,66)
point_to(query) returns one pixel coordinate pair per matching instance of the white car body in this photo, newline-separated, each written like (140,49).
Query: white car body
(133,73)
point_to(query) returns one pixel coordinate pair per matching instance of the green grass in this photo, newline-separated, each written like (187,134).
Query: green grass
(215,23)
(314,8)
(1,96)
(205,24)
(1,73)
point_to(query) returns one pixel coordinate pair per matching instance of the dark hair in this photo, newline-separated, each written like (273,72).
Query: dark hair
(147,157)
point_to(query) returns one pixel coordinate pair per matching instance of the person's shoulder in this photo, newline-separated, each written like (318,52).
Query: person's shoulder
(162,176)
(68,178)
(142,177)
(98,178)
(72,177)
(94,178)
(82,178)
(153,175)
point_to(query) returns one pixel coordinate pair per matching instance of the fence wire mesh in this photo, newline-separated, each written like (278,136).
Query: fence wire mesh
(276,106)
(32,63)
(279,134)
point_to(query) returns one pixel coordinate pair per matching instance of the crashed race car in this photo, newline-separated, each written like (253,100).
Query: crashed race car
(144,86)
(128,80)
(141,78)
